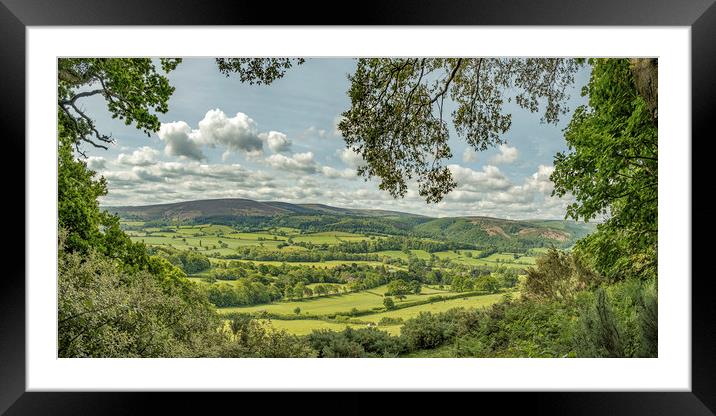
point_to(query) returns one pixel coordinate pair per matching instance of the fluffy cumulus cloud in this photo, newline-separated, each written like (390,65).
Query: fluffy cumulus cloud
(276,141)
(540,181)
(143,156)
(239,133)
(507,155)
(298,163)
(490,178)
(179,140)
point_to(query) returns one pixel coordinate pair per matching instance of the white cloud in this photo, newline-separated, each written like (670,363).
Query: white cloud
(333,173)
(299,162)
(351,158)
(540,180)
(488,179)
(238,133)
(96,163)
(234,134)
(507,155)
(180,141)
(469,155)
(143,156)
(276,141)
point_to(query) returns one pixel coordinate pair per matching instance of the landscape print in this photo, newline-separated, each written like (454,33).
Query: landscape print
(420,207)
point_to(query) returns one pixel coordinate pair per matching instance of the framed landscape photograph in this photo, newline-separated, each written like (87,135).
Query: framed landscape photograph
(385,208)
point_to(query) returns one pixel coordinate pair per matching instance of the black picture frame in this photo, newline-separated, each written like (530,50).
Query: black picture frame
(16,15)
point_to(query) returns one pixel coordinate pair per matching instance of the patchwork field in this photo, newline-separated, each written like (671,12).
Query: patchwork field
(355,309)
(362,301)
(305,326)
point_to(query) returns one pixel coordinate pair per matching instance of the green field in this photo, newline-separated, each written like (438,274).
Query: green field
(421,254)
(440,306)
(221,240)
(329,237)
(325,305)
(306,326)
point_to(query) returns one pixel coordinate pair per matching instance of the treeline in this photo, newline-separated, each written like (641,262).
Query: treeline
(398,243)
(312,256)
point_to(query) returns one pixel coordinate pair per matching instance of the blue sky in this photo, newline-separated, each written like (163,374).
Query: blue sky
(222,138)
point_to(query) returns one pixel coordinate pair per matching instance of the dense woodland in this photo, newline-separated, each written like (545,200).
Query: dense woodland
(120,298)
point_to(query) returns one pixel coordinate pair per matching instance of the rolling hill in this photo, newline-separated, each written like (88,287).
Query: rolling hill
(475,230)
(237,207)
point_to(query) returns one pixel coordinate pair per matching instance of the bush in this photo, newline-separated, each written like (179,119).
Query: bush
(105,311)
(619,321)
(558,276)
(355,343)
(424,331)
(250,338)
(386,320)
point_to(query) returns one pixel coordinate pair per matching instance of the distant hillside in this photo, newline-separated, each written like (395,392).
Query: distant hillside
(506,234)
(189,210)
(481,232)
(237,207)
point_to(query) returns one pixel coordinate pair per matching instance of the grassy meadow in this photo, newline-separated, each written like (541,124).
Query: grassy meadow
(335,310)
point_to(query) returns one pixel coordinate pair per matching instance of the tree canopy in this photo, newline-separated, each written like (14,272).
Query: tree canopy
(396,121)
(611,169)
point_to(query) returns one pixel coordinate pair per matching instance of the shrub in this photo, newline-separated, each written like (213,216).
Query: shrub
(355,343)
(424,331)
(619,321)
(558,276)
(386,320)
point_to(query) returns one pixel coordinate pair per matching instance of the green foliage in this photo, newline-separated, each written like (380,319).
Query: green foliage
(619,321)
(79,214)
(389,303)
(520,329)
(105,311)
(396,117)
(472,233)
(398,287)
(558,276)
(428,330)
(244,292)
(355,343)
(611,169)
(252,339)
(189,262)
(257,70)
(424,331)
(132,87)
(489,283)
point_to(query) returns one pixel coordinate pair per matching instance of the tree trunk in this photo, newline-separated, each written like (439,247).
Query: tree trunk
(645,72)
